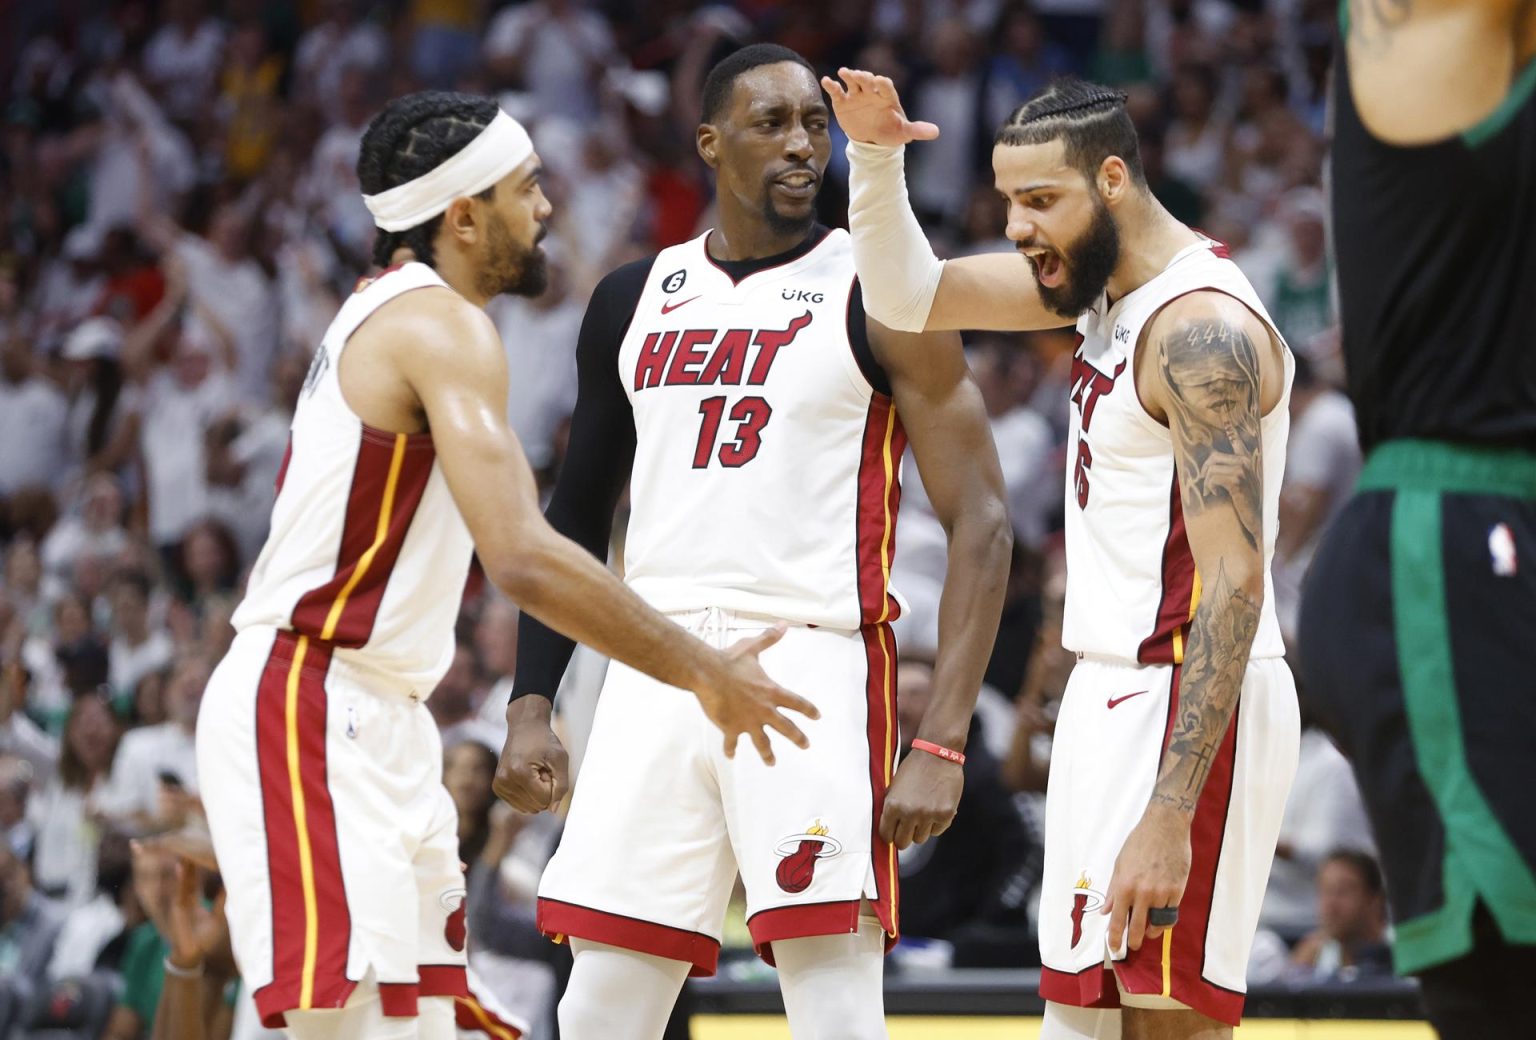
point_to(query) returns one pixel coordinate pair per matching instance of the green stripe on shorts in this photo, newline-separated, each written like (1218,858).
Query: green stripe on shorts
(1480,860)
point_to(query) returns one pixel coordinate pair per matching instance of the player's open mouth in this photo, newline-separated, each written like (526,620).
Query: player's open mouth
(798,185)
(1049,270)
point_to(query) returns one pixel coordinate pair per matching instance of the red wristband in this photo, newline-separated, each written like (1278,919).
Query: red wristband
(947,754)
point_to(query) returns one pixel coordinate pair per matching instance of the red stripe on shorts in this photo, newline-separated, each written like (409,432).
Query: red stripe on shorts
(1142,970)
(880,695)
(311,925)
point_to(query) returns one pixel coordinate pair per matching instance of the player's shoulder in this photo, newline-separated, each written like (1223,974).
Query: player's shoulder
(1202,307)
(433,314)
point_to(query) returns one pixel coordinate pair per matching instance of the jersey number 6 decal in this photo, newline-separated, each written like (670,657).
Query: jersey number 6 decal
(750,414)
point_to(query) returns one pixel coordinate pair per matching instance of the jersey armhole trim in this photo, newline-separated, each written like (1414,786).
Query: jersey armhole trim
(414,439)
(1493,124)
(872,375)
(1287,371)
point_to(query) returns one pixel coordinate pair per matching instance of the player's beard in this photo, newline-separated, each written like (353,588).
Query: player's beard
(1089,261)
(783,223)
(510,269)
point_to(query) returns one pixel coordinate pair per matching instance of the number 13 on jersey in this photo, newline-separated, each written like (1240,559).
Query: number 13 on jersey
(751,415)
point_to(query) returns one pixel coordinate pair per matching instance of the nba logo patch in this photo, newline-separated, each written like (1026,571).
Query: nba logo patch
(1501,549)
(798,854)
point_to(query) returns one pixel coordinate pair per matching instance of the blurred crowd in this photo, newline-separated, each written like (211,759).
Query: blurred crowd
(179,219)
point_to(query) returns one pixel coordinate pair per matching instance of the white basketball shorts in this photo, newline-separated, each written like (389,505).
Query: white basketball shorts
(661,820)
(1114,722)
(336,839)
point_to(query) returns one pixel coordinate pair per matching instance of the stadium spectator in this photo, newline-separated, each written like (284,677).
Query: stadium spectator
(1351,939)
(29,926)
(69,801)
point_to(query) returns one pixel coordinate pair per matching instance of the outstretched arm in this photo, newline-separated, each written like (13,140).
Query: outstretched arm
(906,287)
(941,409)
(453,361)
(1207,361)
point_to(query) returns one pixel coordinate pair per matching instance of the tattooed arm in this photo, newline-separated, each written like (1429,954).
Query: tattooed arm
(1201,370)
(1424,70)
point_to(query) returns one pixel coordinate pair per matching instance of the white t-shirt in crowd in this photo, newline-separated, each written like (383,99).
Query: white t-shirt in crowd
(239,294)
(32,431)
(171,436)
(142,756)
(127,663)
(184,67)
(541,356)
(556,72)
(1324,813)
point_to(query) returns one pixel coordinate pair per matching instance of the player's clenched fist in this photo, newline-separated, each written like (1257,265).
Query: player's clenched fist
(922,801)
(868,109)
(533,772)
(741,698)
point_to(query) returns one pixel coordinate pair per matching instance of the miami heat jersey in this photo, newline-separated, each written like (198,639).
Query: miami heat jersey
(1132,586)
(767,471)
(367,551)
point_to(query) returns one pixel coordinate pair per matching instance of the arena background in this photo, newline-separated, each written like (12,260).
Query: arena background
(181,218)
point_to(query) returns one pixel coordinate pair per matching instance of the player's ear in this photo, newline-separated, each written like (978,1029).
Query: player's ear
(459,220)
(1114,179)
(707,141)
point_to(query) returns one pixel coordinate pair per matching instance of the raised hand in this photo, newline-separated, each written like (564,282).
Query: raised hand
(922,801)
(195,933)
(533,772)
(742,699)
(868,109)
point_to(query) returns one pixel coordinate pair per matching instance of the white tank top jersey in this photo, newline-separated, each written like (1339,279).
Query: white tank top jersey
(367,552)
(1132,587)
(767,471)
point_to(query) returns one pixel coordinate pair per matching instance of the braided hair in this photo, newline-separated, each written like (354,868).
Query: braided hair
(413,135)
(1089,119)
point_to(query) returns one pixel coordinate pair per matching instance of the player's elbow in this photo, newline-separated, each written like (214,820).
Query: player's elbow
(520,571)
(984,534)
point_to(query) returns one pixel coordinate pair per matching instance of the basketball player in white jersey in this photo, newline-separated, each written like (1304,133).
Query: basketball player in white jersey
(1177,738)
(760,419)
(320,765)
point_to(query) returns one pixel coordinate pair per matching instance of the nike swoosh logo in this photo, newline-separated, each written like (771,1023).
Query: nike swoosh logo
(668,308)
(1116,700)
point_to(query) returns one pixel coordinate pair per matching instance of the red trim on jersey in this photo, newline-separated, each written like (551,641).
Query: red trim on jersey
(1175,609)
(470,1014)
(1092,987)
(1142,970)
(309,954)
(879,499)
(880,698)
(282,471)
(388,481)
(558,919)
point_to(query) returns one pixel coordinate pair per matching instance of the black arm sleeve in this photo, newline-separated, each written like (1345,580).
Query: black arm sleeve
(597,463)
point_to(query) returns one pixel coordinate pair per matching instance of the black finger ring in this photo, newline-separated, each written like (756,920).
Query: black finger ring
(1163,916)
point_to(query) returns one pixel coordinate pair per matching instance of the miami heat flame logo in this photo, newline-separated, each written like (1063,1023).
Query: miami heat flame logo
(798,855)
(454,927)
(1084,899)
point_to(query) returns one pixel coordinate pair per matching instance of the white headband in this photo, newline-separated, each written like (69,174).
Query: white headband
(498,150)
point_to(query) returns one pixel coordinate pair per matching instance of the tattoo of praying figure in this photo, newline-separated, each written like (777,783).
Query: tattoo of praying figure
(1212,372)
